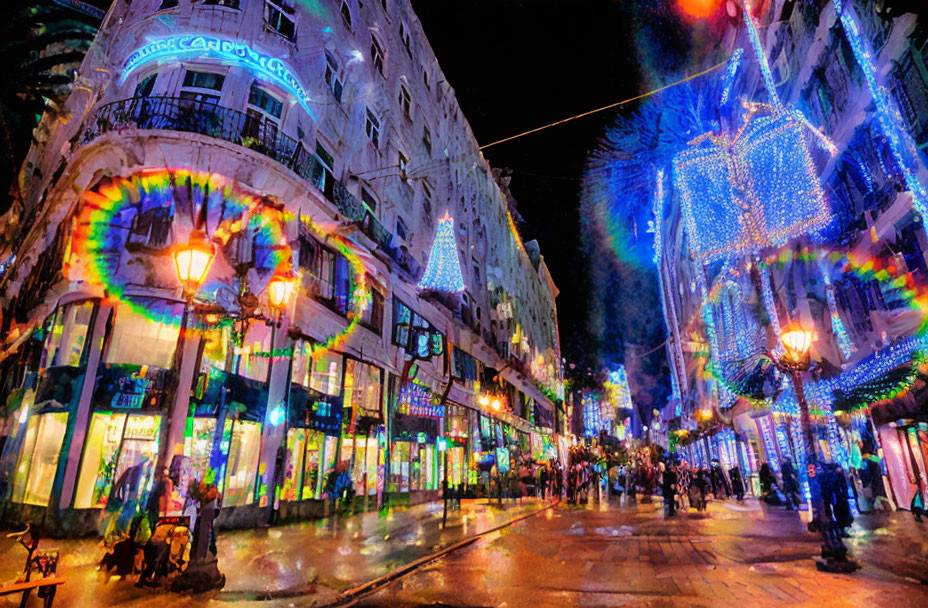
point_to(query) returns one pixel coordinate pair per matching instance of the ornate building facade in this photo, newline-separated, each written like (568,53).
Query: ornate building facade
(307,145)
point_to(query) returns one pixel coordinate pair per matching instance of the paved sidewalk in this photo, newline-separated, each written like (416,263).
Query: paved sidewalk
(736,554)
(309,563)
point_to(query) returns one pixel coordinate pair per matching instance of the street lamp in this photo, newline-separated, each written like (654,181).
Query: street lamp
(280,291)
(797,342)
(192,261)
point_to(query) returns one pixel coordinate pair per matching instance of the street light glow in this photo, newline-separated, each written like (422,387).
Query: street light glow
(193,260)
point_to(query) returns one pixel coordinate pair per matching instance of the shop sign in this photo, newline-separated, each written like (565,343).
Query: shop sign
(129,387)
(484,458)
(143,428)
(502,460)
(421,438)
(415,400)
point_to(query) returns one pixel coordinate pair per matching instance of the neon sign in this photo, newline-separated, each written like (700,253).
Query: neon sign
(237,53)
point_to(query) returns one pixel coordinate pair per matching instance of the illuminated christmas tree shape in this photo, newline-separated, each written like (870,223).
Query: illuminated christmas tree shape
(753,190)
(443,271)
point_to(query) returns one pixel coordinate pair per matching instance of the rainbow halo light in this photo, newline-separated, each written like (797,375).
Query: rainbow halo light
(175,48)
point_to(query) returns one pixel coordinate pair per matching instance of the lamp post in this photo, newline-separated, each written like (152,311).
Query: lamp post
(795,360)
(192,261)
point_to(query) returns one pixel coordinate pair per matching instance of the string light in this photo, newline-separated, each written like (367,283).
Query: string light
(728,77)
(761,57)
(887,114)
(443,272)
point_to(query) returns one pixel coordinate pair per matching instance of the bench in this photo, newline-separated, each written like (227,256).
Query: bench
(48,583)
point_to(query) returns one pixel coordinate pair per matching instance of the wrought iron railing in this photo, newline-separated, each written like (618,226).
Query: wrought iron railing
(213,120)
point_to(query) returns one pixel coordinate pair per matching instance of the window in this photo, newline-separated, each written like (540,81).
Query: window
(322,374)
(427,200)
(261,99)
(403,162)
(278,18)
(427,138)
(68,335)
(226,3)
(402,320)
(405,101)
(203,80)
(152,228)
(346,14)
(372,128)
(253,355)
(323,176)
(377,54)
(342,285)
(369,201)
(38,461)
(116,442)
(363,387)
(401,230)
(332,78)
(242,463)
(202,86)
(145,85)
(264,112)
(132,329)
(404,36)
(319,264)
(373,316)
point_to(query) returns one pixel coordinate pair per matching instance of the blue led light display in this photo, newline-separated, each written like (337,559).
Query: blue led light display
(443,272)
(187,46)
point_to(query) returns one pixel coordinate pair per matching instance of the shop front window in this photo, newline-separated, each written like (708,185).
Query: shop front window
(293,470)
(68,335)
(363,387)
(399,467)
(322,373)
(364,451)
(320,459)
(253,355)
(242,465)
(38,463)
(120,449)
(216,342)
(137,339)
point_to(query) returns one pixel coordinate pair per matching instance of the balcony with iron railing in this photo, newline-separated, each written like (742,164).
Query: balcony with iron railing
(213,120)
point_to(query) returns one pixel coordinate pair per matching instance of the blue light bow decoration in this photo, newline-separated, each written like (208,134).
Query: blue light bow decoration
(190,46)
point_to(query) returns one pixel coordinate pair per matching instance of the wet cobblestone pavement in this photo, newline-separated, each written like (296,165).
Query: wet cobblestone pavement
(599,555)
(736,554)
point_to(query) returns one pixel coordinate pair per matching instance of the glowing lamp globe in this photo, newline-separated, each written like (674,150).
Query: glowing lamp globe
(496,405)
(280,290)
(796,344)
(193,260)
(484,400)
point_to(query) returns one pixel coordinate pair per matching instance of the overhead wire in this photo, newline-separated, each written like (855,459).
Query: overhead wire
(604,108)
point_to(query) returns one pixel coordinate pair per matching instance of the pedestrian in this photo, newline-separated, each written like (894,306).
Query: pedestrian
(790,484)
(669,489)
(737,485)
(842,506)
(918,503)
(871,474)
(767,485)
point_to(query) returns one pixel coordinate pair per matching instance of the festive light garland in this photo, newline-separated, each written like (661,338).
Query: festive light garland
(728,77)
(888,116)
(761,57)
(443,271)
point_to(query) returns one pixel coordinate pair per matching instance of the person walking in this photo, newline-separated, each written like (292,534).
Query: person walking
(790,484)
(871,474)
(737,485)
(669,489)
(767,484)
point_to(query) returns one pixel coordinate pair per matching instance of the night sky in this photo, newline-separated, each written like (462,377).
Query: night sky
(516,65)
